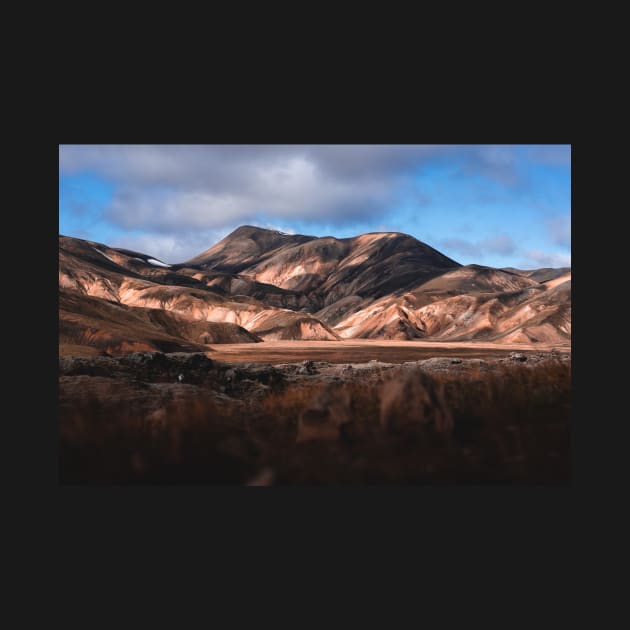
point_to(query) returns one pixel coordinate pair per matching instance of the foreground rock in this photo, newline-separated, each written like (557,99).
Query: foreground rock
(154,417)
(325,415)
(414,399)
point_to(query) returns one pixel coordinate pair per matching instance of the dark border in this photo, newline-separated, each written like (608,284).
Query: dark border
(512,521)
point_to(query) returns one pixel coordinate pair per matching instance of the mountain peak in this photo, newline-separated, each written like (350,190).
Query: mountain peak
(247,230)
(290,286)
(245,243)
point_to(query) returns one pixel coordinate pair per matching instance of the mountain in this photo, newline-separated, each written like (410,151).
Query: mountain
(245,246)
(258,284)
(113,328)
(468,304)
(540,275)
(326,269)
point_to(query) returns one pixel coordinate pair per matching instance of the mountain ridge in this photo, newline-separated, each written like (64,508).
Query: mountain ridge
(267,284)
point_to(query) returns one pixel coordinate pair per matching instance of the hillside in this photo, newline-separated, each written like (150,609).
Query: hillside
(258,284)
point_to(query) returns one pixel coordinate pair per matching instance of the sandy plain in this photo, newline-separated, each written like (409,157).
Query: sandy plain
(363,350)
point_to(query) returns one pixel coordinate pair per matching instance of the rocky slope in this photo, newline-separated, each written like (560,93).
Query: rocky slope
(326,269)
(470,303)
(112,327)
(260,284)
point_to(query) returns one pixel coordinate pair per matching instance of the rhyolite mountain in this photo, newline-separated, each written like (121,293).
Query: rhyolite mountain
(258,284)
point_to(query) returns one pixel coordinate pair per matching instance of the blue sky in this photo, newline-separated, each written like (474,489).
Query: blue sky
(496,205)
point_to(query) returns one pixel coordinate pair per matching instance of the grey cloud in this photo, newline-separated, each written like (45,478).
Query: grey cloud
(537,258)
(369,160)
(560,230)
(552,154)
(421,198)
(178,188)
(494,162)
(170,249)
(297,197)
(460,246)
(502,244)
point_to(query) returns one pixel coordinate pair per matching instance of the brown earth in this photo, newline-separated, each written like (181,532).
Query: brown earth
(363,350)
(185,418)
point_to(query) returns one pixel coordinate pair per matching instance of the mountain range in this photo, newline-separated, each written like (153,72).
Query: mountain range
(257,285)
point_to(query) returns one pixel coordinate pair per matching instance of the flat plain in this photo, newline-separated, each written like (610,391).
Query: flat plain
(363,350)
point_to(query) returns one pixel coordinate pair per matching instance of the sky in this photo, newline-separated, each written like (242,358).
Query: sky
(494,205)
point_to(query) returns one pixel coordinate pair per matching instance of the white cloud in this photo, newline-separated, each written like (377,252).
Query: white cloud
(460,246)
(176,200)
(169,249)
(560,230)
(552,154)
(501,244)
(183,187)
(538,258)
(278,228)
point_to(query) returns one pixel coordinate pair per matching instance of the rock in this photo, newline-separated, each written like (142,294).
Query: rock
(456,361)
(248,380)
(435,363)
(150,366)
(325,414)
(264,478)
(144,359)
(516,356)
(265,374)
(307,367)
(93,366)
(156,366)
(413,399)
(196,361)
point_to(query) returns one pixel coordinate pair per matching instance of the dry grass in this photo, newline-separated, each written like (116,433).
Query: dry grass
(506,426)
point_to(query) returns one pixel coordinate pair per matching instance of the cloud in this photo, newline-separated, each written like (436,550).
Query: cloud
(170,188)
(552,154)
(494,162)
(460,246)
(278,228)
(502,244)
(172,194)
(537,258)
(560,230)
(170,249)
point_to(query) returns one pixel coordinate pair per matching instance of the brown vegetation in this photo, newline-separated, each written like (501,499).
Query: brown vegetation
(505,425)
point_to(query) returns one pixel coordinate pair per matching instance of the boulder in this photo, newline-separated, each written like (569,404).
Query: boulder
(325,414)
(411,400)
(307,367)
